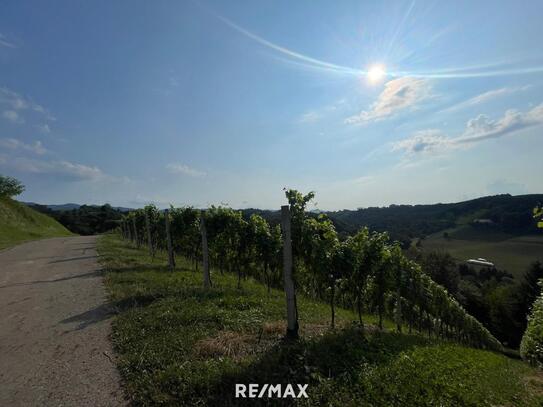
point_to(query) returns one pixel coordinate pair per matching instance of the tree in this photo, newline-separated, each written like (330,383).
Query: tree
(538,214)
(10,187)
(441,267)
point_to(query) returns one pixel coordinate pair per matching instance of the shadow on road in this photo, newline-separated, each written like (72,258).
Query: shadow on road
(73,259)
(92,316)
(96,273)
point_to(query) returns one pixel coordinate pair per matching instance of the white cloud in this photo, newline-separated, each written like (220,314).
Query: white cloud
(12,99)
(60,169)
(423,141)
(12,116)
(5,43)
(477,129)
(398,95)
(185,170)
(14,144)
(15,104)
(485,97)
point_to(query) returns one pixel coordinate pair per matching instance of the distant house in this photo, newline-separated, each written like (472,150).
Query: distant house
(480,262)
(483,221)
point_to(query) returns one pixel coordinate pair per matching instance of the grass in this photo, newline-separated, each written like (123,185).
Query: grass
(19,224)
(178,344)
(514,254)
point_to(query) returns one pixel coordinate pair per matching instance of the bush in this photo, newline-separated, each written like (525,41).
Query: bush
(10,187)
(531,347)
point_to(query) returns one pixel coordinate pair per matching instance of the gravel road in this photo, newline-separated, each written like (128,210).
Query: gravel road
(55,326)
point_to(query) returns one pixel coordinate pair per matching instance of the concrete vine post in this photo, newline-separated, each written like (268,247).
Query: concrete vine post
(149,238)
(171,258)
(205,253)
(292,316)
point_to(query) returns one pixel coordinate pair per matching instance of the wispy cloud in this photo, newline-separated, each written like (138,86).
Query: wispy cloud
(320,113)
(175,168)
(399,94)
(12,116)
(309,117)
(43,128)
(60,169)
(485,97)
(14,144)
(5,43)
(15,104)
(478,129)
(13,99)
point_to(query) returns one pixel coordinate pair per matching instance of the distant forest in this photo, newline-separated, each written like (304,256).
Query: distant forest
(85,219)
(506,213)
(509,214)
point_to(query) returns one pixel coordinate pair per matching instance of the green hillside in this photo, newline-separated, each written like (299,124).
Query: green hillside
(19,223)
(179,344)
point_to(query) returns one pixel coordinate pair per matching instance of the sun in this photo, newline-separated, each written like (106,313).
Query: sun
(376,73)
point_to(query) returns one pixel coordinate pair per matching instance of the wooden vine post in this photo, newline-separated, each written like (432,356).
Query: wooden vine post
(292,316)
(149,238)
(171,258)
(205,252)
(136,240)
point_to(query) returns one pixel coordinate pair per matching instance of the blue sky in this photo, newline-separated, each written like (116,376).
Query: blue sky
(208,102)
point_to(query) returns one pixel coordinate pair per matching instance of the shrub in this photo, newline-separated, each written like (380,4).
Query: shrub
(531,347)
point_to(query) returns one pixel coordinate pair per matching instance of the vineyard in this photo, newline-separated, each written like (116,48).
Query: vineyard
(366,271)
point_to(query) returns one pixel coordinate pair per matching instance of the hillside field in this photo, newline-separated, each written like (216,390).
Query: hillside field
(179,344)
(19,223)
(511,253)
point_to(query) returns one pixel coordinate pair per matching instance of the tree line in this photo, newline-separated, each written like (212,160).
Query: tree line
(364,271)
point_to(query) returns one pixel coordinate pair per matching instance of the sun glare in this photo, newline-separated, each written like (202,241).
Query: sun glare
(376,73)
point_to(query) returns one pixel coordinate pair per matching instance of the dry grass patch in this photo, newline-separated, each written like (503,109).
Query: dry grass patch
(274,328)
(235,345)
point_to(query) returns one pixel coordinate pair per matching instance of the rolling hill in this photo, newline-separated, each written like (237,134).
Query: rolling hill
(500,227)
(19,223)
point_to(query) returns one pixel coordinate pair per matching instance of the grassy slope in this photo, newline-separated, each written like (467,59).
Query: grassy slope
(19,223)
(513,254)
(180,345)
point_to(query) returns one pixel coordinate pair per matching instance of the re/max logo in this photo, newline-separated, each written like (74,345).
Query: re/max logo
(254,390)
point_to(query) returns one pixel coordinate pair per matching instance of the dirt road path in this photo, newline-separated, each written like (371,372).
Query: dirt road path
(54,327)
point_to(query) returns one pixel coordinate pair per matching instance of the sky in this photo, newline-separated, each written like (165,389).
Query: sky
(203,102)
